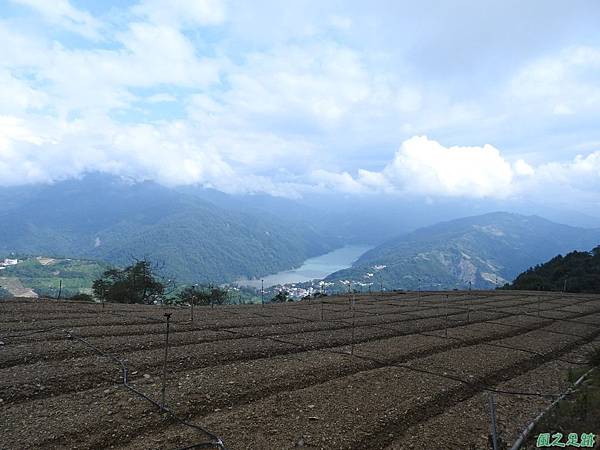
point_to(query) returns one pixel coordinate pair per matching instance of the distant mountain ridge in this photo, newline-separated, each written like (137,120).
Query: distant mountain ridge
(486,250)
(108,218)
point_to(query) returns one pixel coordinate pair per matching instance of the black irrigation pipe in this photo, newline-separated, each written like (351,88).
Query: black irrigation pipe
(563,333)
(146,318)
(509,347)
(469,383)
(384,364)
(553,319)
(215,440)
(453,378)
(504,314)
(41,330)
(282,341)
(342,320)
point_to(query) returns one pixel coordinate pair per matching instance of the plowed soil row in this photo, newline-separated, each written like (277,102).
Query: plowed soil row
(81,372)
(366,409)
(280,377)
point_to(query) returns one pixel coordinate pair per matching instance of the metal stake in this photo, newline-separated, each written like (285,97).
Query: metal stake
(493,419)
(446,316)
(353,323)
(192,303)
(164,380)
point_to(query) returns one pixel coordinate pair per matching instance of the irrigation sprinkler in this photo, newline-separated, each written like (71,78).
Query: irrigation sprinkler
(262,292)
(492,405)
(59,289)
(164,377)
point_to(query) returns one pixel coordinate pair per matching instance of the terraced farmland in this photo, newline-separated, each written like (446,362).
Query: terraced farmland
(389,371)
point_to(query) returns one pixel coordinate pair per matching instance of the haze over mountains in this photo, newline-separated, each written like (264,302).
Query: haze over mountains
(114,220)
(204,235)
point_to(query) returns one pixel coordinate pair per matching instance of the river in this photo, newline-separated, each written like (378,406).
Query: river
(313,268)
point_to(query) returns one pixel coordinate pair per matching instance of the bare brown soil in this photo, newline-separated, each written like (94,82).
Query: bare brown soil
(390,372)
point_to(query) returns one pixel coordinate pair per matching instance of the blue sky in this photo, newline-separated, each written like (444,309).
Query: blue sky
(441,99)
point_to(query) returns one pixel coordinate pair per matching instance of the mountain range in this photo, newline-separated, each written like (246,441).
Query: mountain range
(198,234)
(482,252)
(111,219)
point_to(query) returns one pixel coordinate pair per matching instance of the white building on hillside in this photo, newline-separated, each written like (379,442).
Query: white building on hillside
(9,262)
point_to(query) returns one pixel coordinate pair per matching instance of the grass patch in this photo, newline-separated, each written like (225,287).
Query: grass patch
(578,413)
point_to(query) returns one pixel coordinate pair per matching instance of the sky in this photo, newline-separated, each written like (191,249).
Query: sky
(463,99)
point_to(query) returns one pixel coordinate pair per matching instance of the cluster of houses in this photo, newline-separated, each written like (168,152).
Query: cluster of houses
(8,262)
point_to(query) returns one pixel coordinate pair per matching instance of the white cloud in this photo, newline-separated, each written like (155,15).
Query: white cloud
(18,96)
(583,172)
(65,15)
(15,164)
(342,182)
(160,98)
(182,13)
(563,83)
(425,166)
(154,93)
(14,129)
(340,22)
(522,168)
(322,83)
(99,80)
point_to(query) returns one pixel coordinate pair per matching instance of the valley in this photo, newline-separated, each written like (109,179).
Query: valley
(312,269)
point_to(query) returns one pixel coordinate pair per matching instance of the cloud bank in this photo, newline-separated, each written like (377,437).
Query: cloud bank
(425,167)
(289,99)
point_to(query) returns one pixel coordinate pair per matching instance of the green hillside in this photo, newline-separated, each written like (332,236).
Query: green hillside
(44,275)
(113,220)
(486,251)
(576,271)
